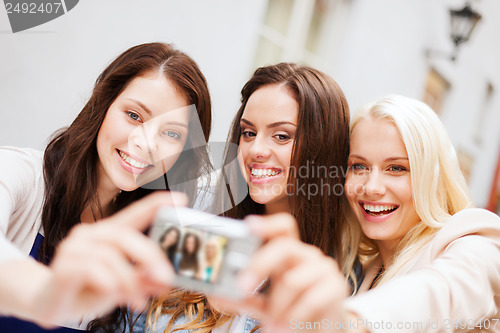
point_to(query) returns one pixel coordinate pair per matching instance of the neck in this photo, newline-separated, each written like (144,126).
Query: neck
(386,251)
(282,206)
(106,193)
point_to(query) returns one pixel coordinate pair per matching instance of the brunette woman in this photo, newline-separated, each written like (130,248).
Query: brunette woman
(287,152)
(169,242)
(149,116)
(187,263)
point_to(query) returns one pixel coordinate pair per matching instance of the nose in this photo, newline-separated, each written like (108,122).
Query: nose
(374,185)
(145,138)
(259,149)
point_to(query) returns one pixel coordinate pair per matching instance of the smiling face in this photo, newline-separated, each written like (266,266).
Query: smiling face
(170,238)
(268,127)
(143,133)
(378,184)
(191,244)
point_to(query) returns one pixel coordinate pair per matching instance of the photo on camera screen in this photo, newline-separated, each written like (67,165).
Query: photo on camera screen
(194,253)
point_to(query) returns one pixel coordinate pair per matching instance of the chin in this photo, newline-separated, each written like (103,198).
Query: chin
(259,200)
(262,199)
(127,186)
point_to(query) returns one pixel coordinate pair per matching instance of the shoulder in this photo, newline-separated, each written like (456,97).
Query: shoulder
(21,170)
(20,158)
(471,221)
(28,153)
(468,222)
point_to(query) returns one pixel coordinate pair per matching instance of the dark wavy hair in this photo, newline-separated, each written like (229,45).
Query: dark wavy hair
(322,136)
(189,260)
(71,159)
(321,141)
(172,249)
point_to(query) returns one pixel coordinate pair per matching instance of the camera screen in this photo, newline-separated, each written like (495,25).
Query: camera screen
(194,253)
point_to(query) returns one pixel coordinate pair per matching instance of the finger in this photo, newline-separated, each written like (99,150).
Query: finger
(121,271)
(273,259)
(144,252)
(294,283)
(140,214)
(322,301)
(139,265)
(87,288)
(272,226)
(132,245)
(152,288)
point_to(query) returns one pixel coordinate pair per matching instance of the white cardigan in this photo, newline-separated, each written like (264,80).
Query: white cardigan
(21,200)
(452,285)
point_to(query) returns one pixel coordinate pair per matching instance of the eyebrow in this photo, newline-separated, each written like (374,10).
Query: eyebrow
(176,123)
(144,107)
(272,125)
(395,158)
(148,111)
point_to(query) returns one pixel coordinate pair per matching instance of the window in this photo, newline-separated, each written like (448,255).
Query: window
(435,90)
(294,30)
(481,115)
(465,160)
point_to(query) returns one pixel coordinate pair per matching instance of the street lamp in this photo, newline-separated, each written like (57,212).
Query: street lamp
(463,22)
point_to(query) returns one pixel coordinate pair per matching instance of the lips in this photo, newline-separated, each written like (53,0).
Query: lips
(134,164)
(261,173)
(377,211)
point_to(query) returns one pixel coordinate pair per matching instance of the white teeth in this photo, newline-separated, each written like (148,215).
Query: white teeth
(132,162)
(260,173)
(378,208)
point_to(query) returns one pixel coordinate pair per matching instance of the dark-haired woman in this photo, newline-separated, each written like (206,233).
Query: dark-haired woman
(149,116)
(291,140)
(287,152)
(187,263)
(169,242)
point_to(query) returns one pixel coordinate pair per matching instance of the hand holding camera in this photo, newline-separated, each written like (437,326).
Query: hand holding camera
(206,251)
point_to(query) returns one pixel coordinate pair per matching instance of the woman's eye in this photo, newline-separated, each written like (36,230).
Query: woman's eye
(358,167)
(134,116)
(247,134)
(173,134)
(282,137)
(397,168)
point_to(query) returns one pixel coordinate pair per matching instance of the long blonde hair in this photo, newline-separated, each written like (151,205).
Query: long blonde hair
(439,189)
(199,314)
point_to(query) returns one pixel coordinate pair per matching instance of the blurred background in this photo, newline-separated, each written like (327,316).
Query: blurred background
(444,52)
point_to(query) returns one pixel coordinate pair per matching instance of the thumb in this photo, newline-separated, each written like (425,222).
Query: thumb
(141,213)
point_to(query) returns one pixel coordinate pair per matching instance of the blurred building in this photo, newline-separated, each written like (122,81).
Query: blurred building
(371,47)
(374,48)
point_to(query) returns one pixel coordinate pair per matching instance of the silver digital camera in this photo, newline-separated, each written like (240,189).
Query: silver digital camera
(206,251)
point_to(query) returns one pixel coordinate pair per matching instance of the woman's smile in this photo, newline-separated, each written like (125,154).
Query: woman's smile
(133,165)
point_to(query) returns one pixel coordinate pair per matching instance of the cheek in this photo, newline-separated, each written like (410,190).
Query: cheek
(113,130)
(353,187)
(170,153)
(286,156)
(241,160)
(243,150)
(404,190)
(284,159)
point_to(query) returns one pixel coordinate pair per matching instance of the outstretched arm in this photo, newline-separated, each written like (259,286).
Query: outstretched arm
(96,268)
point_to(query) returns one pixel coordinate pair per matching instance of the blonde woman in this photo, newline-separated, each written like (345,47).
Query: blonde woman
(211,261)
(432,261)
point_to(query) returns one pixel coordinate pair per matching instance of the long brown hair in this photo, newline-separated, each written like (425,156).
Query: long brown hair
(172,249)
(71,159)
(322,136)
(321,143)
(190,260)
